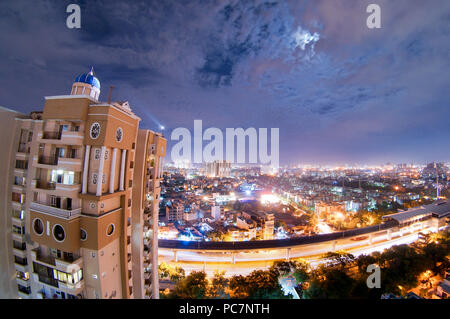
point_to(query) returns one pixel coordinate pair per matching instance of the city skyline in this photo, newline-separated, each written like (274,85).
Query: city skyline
(338,91)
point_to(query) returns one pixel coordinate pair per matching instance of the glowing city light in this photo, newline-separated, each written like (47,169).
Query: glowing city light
(269,199)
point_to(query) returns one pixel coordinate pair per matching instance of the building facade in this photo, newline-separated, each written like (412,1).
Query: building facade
(218,169)
(73,179)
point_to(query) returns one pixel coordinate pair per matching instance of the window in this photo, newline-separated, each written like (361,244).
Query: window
(18,230)
(20,214)
(38,226)
(110,229)
(69,178)
(18,198)
(20,181)
(53,201)
(21,164)
(67,278)
(59,233)
(83,234)
(23,275)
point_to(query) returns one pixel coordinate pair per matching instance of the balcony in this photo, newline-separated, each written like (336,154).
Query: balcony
(59,212)
(20,253)
(17,221)
(48,160)
(73,289)
(51,135)
(72,137)
(70,164)
(19,246)
(23,148)
(71,188)
(18,237)
(48,281)
(23,282)
(45,185)
(65,264)
(24,291)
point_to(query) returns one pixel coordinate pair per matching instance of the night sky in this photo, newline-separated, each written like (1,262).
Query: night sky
(338,91)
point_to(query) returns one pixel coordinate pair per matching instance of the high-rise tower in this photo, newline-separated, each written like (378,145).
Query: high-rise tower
(75,183)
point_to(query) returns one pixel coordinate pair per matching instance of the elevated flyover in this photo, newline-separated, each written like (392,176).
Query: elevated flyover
(243,257)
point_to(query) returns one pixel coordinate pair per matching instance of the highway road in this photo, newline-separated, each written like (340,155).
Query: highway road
(246,262)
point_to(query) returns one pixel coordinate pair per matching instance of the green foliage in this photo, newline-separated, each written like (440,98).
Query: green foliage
(170,272)
(218,286)
(194,286)
(339,258)
(342,276)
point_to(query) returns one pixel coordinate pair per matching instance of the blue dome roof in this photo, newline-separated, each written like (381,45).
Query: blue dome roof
(88,78)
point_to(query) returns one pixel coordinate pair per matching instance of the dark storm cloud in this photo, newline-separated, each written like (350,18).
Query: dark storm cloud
(338,91)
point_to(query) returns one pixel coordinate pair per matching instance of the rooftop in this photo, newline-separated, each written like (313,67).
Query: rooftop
(438,209)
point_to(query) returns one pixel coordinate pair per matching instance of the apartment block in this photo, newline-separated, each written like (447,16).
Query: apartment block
(84,185)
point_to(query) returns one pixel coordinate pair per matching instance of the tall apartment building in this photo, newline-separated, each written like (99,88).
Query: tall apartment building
(83,182)
(265,223)
(217,212)
(218,169)
(175,211)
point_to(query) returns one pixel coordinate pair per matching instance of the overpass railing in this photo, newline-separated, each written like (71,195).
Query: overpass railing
(276,243)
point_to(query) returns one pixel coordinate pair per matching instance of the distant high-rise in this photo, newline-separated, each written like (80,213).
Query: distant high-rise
(82,192)
(218,169)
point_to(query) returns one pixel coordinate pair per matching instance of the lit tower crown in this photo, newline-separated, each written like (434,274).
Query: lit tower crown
(86,84)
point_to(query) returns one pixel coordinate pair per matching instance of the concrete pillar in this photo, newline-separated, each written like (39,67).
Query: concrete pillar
(288,251)
(370,239)
(389,234)
(86,169)
(175,256)
(232,258)
(100,171)
(334,245)
(112,175)
(122,170)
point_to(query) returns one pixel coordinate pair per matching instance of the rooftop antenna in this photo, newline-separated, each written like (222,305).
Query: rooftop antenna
(111,88)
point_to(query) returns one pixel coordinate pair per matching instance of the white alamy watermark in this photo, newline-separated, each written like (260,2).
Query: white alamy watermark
(374,279)
(374,19)
(73,21)
(257,146)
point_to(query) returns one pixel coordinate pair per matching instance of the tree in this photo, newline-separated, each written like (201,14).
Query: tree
(329,283)
(339,258)
(194,286)
(168,271)
(437,256)
(219,286)
(264,284)
(400,267)
(238,287)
